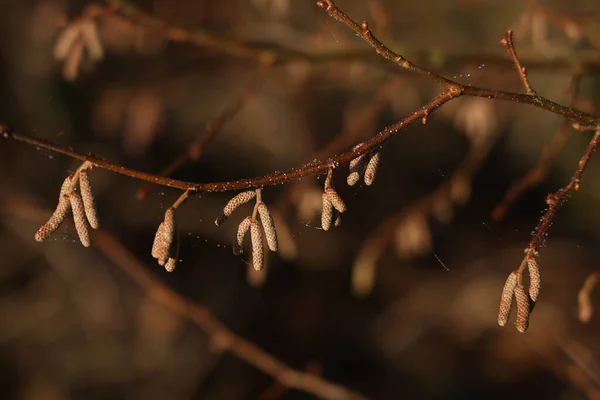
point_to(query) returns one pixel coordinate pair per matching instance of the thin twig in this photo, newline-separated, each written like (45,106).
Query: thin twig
(507,41)
(556,200)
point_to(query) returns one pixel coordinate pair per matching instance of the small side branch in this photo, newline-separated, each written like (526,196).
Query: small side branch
(507,41)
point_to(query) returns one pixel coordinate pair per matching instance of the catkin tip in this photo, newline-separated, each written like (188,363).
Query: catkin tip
(243,228)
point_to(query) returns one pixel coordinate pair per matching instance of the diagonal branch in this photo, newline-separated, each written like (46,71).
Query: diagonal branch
(220,336)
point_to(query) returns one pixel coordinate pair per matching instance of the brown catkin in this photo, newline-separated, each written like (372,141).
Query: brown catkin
(59,214)
(257,245)
(158,241)
(326,214)
(81,223)
(371,169)
(168,234)
(241,234)
(268,226)
(335,199)
(506,298)
(89,204)
(522,308)
(235,202)
(356,170)
(535,281)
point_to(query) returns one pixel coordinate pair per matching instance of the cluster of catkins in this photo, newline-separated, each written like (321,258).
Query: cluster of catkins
(267,226)
(81,203)
(514,288)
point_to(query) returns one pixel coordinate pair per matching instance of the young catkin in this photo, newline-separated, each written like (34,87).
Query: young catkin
(235,202)
(522,308)
(243,228)
(89,203)
(257,245)
(327,213)
(335,199)
(57,218)
(168,234)
(371,169)
(356,170)
(81,223)
(158,241)
(535,281)
(507,296)
(268,226)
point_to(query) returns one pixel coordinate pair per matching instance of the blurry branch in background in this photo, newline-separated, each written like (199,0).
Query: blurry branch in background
(81,33)
(584,301)
(538,173)
(409,229)
(221,339)
(196,148)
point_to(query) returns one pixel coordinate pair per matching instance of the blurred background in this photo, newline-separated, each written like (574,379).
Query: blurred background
(399,301)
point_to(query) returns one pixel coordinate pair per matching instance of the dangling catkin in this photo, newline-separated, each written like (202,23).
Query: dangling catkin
(81,223)
(235,202)
(506,299)
(371,169)
(522,308)
(327,213)
(57,218)
(335,199)
(257,245)
(168,234)
(158,241)
(535,281)
(268,226)
(243,228)
(356,170)
(89,204)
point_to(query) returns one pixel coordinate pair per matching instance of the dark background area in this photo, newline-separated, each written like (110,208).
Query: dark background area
(74,325)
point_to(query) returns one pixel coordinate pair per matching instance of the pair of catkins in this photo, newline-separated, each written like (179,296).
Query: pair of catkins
(75,197)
